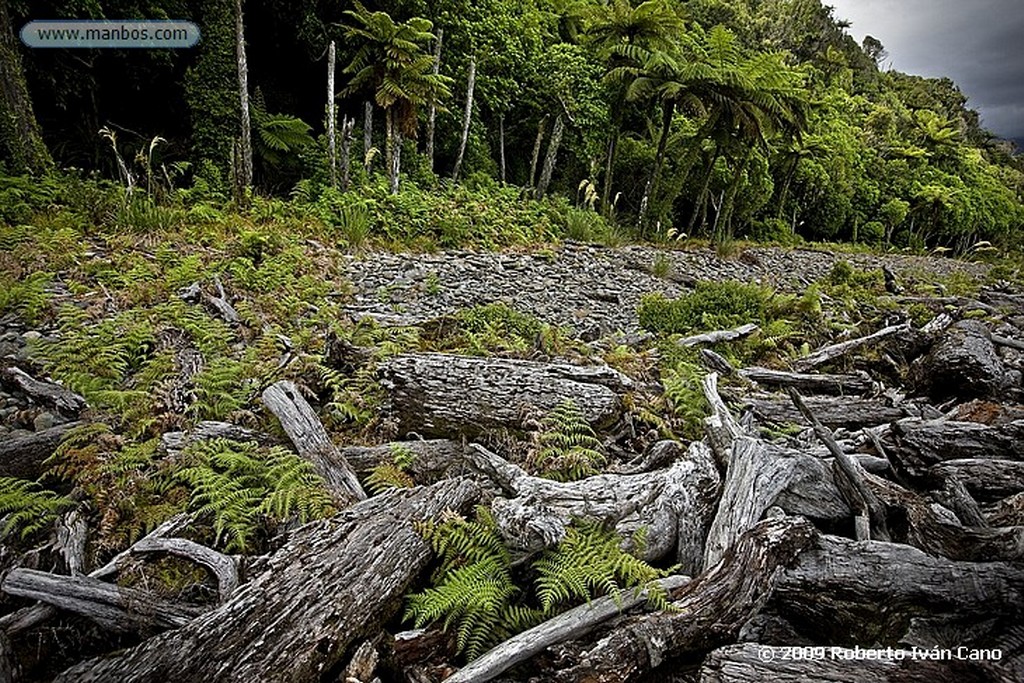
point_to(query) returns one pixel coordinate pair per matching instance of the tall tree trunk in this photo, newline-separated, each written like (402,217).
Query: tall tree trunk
(501,145)
(389,149)
(432,114)
(347,124)
(784,193)
(699,206)
(245,162)
(609,168)
(396,159)
(367,134)
(551,156)
(668,108)
(20,138)
(541,127)
(467,118)
(332,142)
(734,188)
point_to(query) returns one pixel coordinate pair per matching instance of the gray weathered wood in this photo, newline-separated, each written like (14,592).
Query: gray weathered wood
(113,607)
(918,444)
(830,353)
(23,456)
(176,442)
(72,534)
(42,391)
(444,395)
(809,383)
(721,427)
(332,583)
(311,441)
(833,412)
(707,613)
(718,336)
(986,480)
(434,459)
(575,623)
(222,566)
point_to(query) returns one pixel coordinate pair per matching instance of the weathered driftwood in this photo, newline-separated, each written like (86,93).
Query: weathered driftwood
(219,303)
(41,391)
(333,582)
(810,383)
(115,608)
(955,496)
(850,478)
(755,663)
(716,362)
(311,441)
(23,456)
(222,566)
(721,427)
(718,336)
(444,395)
(72,534)
(30,617)
(707,613)
(963,364)
(830,353)
(865,591)
(986,480)
(920,444)
(833,412)
(999,340)
(175,442)
(674,504)
(570,625)
(1006,512)
(961,302)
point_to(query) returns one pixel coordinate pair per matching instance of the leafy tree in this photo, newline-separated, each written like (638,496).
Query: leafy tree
(391,63)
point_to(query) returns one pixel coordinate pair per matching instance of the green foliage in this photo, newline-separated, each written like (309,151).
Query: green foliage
(686,399)
(567,447)
(244,488)
(26,507)
(393,474)
(27,297)
(478,593)
(220,389)
(711,306)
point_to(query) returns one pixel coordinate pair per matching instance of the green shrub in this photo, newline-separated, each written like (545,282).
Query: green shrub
(711,306)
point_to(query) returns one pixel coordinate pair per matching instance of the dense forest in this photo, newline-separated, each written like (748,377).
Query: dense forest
(756,118)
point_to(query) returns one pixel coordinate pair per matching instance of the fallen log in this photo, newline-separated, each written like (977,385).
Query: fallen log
(41,391)
(1007,342)
(570,625)
(334,582)
(115,608)
(23,456)
(810,383)
(986,480)
(176,442)
(443,395)
(849,413)
(1007,512)
(718,336)
(221,566)
(755,663)
(707,613)
(432,459)
(919,444)
(850,478)
(842,591)
(831,353)
(674,504)
(963,364)
(307,433)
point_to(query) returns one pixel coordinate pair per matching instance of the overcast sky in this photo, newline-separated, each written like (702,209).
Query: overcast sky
(977,43)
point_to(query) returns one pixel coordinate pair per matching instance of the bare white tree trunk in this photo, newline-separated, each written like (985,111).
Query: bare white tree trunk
(367,134)
(332,143)
(501,145)
(432,115)
(536,148)
(467,117)
(551,156)
(347,124)
(245,162)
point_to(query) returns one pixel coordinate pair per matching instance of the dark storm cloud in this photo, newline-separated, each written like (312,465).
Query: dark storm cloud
(977,43)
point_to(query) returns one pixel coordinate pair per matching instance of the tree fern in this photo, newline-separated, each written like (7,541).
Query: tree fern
(26,507)
(568,447)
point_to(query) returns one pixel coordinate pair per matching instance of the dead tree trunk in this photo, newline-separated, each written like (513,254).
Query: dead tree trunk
(707,613)
(23,456)
(467,118)
(432,111)
(332,116)
(501,146)
(67,402)
(368,135)
(245,167)
(541,126)
(334,582)
(311,440)
(346,152)
(550,157)
(436,394)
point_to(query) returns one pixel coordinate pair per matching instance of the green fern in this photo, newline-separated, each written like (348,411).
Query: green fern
(245,488)
(220,390)
(568,447)
(26,507)
(393,474)
(686,397)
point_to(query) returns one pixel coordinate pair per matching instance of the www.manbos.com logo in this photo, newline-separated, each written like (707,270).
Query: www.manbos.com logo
(97,34)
